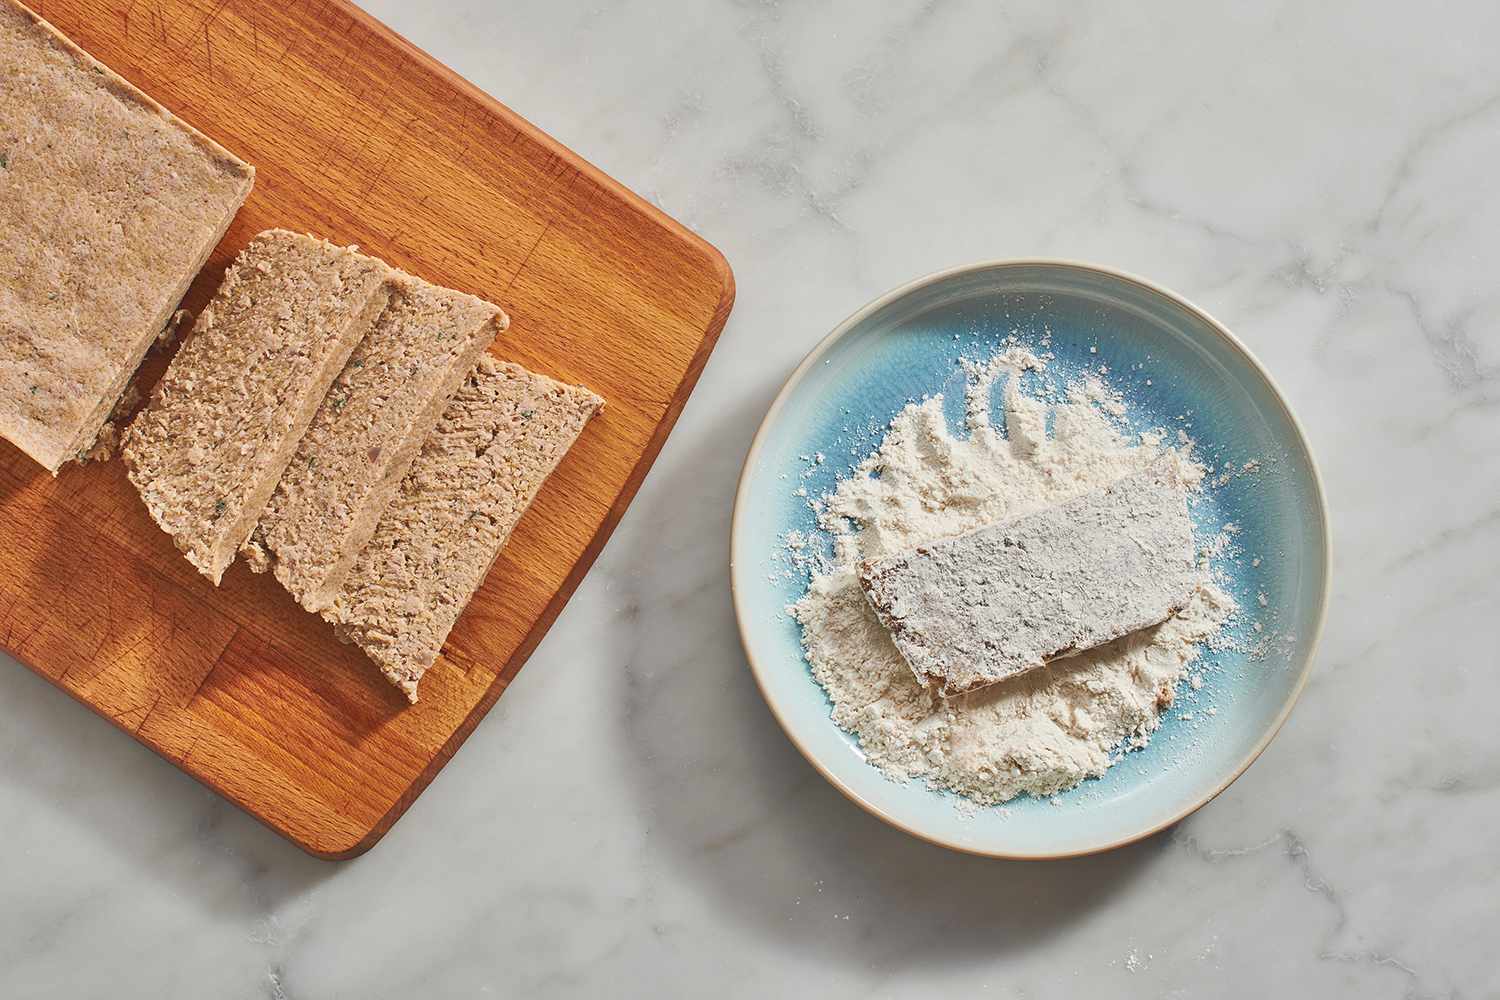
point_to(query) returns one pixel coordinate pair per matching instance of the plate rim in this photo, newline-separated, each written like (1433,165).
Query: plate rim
(852,321)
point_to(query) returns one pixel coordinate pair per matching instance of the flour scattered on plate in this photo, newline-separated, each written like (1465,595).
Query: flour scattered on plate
(1046,730)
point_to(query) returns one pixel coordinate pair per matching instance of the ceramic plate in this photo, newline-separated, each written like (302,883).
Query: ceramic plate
(907,344)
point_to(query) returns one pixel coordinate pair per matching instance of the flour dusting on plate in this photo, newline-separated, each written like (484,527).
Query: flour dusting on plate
(1043,731)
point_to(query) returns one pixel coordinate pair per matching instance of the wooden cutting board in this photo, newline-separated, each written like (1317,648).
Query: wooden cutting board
(359,137)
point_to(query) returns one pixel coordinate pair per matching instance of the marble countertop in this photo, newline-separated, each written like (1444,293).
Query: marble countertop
(629,820)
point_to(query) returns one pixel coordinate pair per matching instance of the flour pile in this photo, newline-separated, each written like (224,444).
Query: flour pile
(1048,729)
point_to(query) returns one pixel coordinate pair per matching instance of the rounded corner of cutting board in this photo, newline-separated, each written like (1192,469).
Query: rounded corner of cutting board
(333,847)
(727,288)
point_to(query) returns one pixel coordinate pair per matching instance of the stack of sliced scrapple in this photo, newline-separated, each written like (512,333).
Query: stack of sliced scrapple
(339,424)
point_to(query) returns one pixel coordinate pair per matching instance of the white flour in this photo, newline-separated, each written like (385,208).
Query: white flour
(1045,730)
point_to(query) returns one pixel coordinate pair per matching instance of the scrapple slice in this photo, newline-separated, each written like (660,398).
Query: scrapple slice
(109,207)
(968,611)
(224,421)
(497,442)
(366,433)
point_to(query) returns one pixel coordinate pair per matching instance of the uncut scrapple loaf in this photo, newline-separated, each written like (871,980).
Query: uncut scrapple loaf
(109,207)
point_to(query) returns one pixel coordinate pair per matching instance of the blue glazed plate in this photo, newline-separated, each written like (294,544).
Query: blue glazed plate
(907,344)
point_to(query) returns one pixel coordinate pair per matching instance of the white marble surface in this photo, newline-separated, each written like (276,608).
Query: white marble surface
(629,821)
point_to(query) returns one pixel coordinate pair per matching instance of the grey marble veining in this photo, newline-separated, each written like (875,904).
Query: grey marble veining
(629,821)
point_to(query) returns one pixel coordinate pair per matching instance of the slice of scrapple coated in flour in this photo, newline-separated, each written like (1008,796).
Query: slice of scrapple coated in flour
(109,206)
(968,611)
(497,442)
(364,436)
(223,422)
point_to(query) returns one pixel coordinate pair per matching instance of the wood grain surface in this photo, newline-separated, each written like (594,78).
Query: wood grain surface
(358,137)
